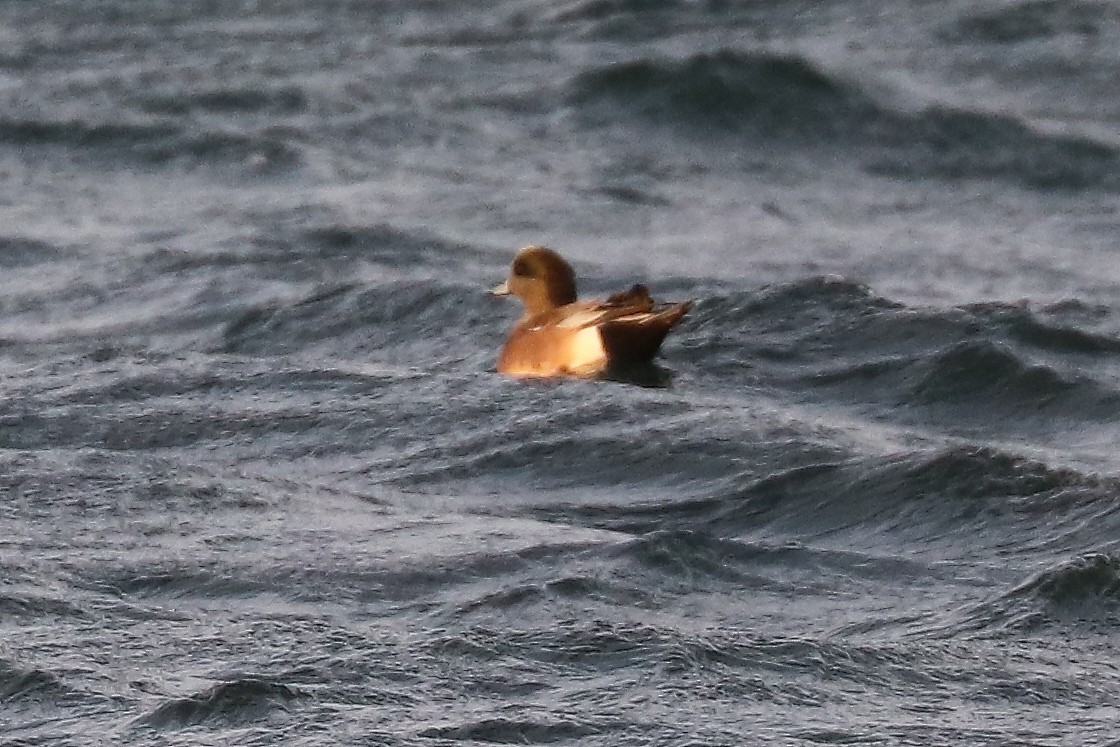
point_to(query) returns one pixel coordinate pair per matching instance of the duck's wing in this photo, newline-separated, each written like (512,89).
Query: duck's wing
(635,337)
(635,299)
(584,314)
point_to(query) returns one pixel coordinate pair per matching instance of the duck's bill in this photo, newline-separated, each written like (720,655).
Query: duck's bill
(502,289)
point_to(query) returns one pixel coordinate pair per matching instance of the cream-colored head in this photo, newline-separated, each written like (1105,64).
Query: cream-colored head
(541,279)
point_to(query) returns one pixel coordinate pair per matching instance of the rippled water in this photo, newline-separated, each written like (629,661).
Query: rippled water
(260,483)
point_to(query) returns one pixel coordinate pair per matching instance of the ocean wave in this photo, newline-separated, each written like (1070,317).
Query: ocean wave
(158,143)
(32,605)
(307,254)
(694,553)
(575,587)
(85,134)
(511,731)
(126,407)
(910,496)
(828,291)
(775,668)
(20,684)
(1087,580)
(768,668)
(271,151)
(164,381)
(786,98)
(572,447)
(780,96)
(1048,328)
(17,251)
(951,143)
(780,324)
(1084,590)
(274,101)
(632,21)
(597,10)
(1030,20)
(981,473)
(981,370)
(842,315)
(244,700)
(388,316)
(975,373)
(701,557)
(837,334)
(98,427)
(186,581)
(589,644)
(387,245)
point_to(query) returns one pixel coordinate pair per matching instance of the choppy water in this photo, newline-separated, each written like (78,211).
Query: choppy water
(261,485)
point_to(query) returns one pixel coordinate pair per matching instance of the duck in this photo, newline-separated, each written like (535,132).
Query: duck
(559,335)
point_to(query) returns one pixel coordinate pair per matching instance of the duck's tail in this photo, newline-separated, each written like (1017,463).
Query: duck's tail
(635,338)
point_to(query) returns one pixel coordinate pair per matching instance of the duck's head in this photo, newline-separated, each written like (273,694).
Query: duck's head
(541,279)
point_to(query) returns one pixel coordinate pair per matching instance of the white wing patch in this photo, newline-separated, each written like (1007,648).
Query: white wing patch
(586,351)
(638,316)
(584,318)
(592,317)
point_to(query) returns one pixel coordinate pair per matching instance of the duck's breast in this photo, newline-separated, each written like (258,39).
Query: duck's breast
(552,351)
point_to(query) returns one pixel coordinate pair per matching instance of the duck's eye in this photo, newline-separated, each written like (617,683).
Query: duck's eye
(523,267)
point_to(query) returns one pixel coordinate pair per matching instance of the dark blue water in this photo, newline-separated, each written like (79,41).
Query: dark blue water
(260,483)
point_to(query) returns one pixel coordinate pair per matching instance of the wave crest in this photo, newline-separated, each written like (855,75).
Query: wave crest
(777,95)
(239,701)
(1035,19)
(786,98)
(157,143)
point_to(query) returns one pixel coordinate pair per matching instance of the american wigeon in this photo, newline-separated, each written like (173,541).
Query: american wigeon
(559,335)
